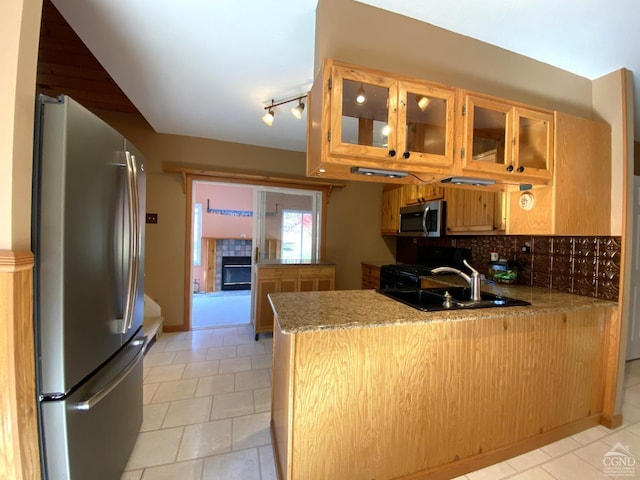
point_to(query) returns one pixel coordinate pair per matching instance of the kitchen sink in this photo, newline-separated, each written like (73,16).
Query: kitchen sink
(448,298)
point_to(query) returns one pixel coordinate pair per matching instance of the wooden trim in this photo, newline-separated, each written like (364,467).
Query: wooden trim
(11,261)
(188,254)
(234,177)
(18,419)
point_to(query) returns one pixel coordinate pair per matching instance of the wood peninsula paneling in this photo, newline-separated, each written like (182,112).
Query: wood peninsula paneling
(20,458)
(436,400)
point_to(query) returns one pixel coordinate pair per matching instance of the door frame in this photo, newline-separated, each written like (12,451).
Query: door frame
(191,176)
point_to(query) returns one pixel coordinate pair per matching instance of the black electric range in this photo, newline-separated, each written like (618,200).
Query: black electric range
(401,275)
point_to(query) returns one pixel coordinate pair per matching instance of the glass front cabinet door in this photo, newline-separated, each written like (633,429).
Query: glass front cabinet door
(512,142)
(391,121)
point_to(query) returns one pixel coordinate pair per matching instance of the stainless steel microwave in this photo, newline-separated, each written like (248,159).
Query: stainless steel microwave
(423,220)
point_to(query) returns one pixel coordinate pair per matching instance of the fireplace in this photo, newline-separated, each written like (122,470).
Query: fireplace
(236,273)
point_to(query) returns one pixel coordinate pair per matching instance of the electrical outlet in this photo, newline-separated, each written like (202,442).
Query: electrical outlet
(152,218)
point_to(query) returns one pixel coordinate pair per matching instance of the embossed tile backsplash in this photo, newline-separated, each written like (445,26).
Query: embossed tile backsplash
(587,266)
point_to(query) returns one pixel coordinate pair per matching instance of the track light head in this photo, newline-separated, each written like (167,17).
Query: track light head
(268,117)
(298,109)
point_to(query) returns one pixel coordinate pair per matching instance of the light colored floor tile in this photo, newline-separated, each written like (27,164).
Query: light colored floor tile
(625,437)
(224,331)
(205,439)
(179,345)
(207,342)
(252,379)
(153,416)
(184,471)
(215,385)
(571,467)
(591,435)
(235,465)
(232,405)
(631,379)
(534,474)
(251,431)
(153,359)
(201,369)
(176,390)
(187,412)
(253,348)
(217,353)
(155,448)
(187,356)
(164,373)
(594,453)
(236,340)
(148,391)
(493,472)
(630,413)
(245,330)
(262,399)
(262,361)
(560,447)
(528,460)
(267,464)
(132,475)
(234,365)
(635,429)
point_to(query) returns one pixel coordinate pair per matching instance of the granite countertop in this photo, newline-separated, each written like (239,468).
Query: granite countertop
(301,312)
(278,262)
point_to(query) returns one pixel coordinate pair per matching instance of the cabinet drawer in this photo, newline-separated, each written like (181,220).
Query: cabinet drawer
(315,271)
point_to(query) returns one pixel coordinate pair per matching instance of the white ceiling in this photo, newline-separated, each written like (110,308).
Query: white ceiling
(207,68)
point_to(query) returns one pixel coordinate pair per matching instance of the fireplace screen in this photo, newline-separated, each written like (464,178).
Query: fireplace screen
(236,273)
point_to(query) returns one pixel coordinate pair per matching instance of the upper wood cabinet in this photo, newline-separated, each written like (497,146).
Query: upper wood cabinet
(365,117)
(412,194)
(471,211)
(507,141)
(391,203)
(579,201)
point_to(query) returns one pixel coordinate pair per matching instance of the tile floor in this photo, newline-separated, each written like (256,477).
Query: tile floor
(207,400)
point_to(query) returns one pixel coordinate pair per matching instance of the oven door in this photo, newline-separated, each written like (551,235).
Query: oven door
(423,220)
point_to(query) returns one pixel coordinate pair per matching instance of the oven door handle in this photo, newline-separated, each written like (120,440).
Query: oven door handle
(424,220)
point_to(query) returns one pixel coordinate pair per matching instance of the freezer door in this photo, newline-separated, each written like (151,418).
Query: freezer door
(91,434)
(80,245)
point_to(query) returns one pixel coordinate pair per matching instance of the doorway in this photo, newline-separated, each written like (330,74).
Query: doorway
(228,239)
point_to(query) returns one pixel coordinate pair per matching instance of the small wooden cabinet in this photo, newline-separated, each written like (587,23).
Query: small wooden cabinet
(286,278)
(391,203)
(424,192)
(506,141)
(473,211)
(370,276)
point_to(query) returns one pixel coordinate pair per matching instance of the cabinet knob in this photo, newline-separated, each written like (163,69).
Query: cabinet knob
(520,169)
(510,168)
(406,154)
(392,153)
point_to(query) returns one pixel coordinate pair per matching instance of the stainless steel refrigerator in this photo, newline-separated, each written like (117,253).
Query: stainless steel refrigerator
(87,237)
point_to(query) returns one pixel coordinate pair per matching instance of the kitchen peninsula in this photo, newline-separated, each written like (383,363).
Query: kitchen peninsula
(365,387)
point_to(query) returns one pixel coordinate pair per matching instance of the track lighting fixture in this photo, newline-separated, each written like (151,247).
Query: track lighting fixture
(295,111)
(361,97)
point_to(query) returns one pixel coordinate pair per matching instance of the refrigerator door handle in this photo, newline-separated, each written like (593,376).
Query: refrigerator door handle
(130,294)
(137,231)
(91,402)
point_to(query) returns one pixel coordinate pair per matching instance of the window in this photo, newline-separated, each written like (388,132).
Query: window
(197,234)
(297,235)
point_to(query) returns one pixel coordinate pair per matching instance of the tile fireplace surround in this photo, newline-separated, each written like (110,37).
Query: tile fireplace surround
(587,266)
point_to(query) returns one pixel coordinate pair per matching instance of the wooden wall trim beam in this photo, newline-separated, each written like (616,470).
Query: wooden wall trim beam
(19,446)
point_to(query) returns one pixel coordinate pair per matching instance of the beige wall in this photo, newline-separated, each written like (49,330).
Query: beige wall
(353,212)
(353,32)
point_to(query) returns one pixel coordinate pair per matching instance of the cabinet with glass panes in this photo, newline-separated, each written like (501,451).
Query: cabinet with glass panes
(506,140)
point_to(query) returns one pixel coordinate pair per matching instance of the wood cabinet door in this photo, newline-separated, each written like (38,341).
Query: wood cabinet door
(469,211)
(391,203)
(264,313)
(425,124)
(364,128)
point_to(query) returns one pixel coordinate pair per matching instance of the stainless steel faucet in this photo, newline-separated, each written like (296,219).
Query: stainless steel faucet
(473,280)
